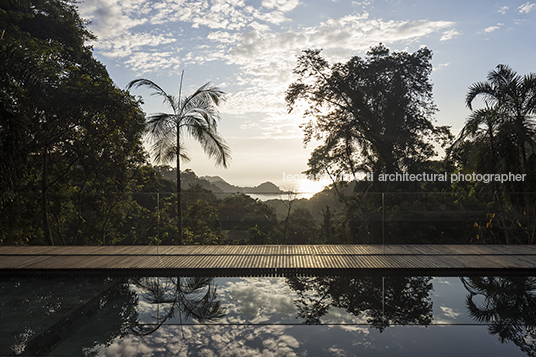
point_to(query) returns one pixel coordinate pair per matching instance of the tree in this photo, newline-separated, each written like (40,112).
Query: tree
(500,138)
(372,113)
(512,99)
(195,115)
(61,115)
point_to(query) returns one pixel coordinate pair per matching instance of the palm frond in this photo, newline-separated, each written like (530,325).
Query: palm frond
(204,96)
(158,91)
(165,151)
(160,150)
(212,143)
(205,308)
(162,124)
(197,115)
(193,284)
(480,88)
(210,94)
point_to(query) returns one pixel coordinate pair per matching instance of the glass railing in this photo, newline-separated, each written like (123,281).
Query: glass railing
(366,218)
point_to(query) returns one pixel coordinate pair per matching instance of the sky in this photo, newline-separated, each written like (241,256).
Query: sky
(249,49)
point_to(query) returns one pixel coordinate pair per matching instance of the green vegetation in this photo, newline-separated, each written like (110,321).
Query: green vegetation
(73,169)
(373,114)
(195,115)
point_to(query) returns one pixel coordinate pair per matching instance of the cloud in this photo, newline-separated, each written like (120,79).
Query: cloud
(493,28)
(282,5)
(441,66)
(147,62)
(525,8)
(267,58)
(450,34)
(152,36)
(113,17)
(125,44)
(503,9)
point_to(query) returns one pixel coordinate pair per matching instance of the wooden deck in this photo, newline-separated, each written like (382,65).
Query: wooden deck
(268,259)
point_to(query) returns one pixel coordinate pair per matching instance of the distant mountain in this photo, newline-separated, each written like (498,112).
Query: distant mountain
(220,183)
(265,187)
(214,183)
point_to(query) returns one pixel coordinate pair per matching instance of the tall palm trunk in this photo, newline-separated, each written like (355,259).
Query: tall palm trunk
(179,199)
(179,190)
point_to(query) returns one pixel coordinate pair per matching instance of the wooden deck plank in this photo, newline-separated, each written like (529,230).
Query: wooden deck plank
(268,258)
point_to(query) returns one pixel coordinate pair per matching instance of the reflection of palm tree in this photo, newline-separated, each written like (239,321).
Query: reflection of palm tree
(195,115)
(393,300)
(508,305)
(190,298)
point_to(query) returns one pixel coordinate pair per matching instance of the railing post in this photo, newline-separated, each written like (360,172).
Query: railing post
(157,221)
(383,222)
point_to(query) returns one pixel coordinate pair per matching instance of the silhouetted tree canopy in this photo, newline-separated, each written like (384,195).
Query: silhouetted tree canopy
(373,114)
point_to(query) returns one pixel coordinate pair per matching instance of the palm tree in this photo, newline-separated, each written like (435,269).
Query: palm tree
(515,96)
(482,128)
(196,115)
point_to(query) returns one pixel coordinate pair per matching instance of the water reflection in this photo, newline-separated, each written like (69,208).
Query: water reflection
(39,315)
(379,301)
(507,305)
(315,315)
(191,298)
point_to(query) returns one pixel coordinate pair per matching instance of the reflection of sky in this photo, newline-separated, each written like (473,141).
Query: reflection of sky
(250,301)
(257,300)
(302,340)
(265,301)
(449,301)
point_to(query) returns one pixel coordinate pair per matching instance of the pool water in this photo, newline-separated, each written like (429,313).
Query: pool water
(271,316)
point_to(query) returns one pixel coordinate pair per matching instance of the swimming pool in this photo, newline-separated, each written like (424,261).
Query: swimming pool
(274,316)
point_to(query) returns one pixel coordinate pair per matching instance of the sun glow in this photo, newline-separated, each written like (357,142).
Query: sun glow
(307,188)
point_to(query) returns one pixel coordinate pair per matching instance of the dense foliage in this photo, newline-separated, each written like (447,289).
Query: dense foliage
(373,114)
(73,169)
(67,133)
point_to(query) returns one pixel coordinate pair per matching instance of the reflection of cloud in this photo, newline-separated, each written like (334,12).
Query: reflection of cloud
(353,328)
(449,312)
(217,341)
(127,347)
(448,316)
(257,300)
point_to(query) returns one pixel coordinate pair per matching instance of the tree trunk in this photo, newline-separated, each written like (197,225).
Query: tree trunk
(179,199)
(179,191)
